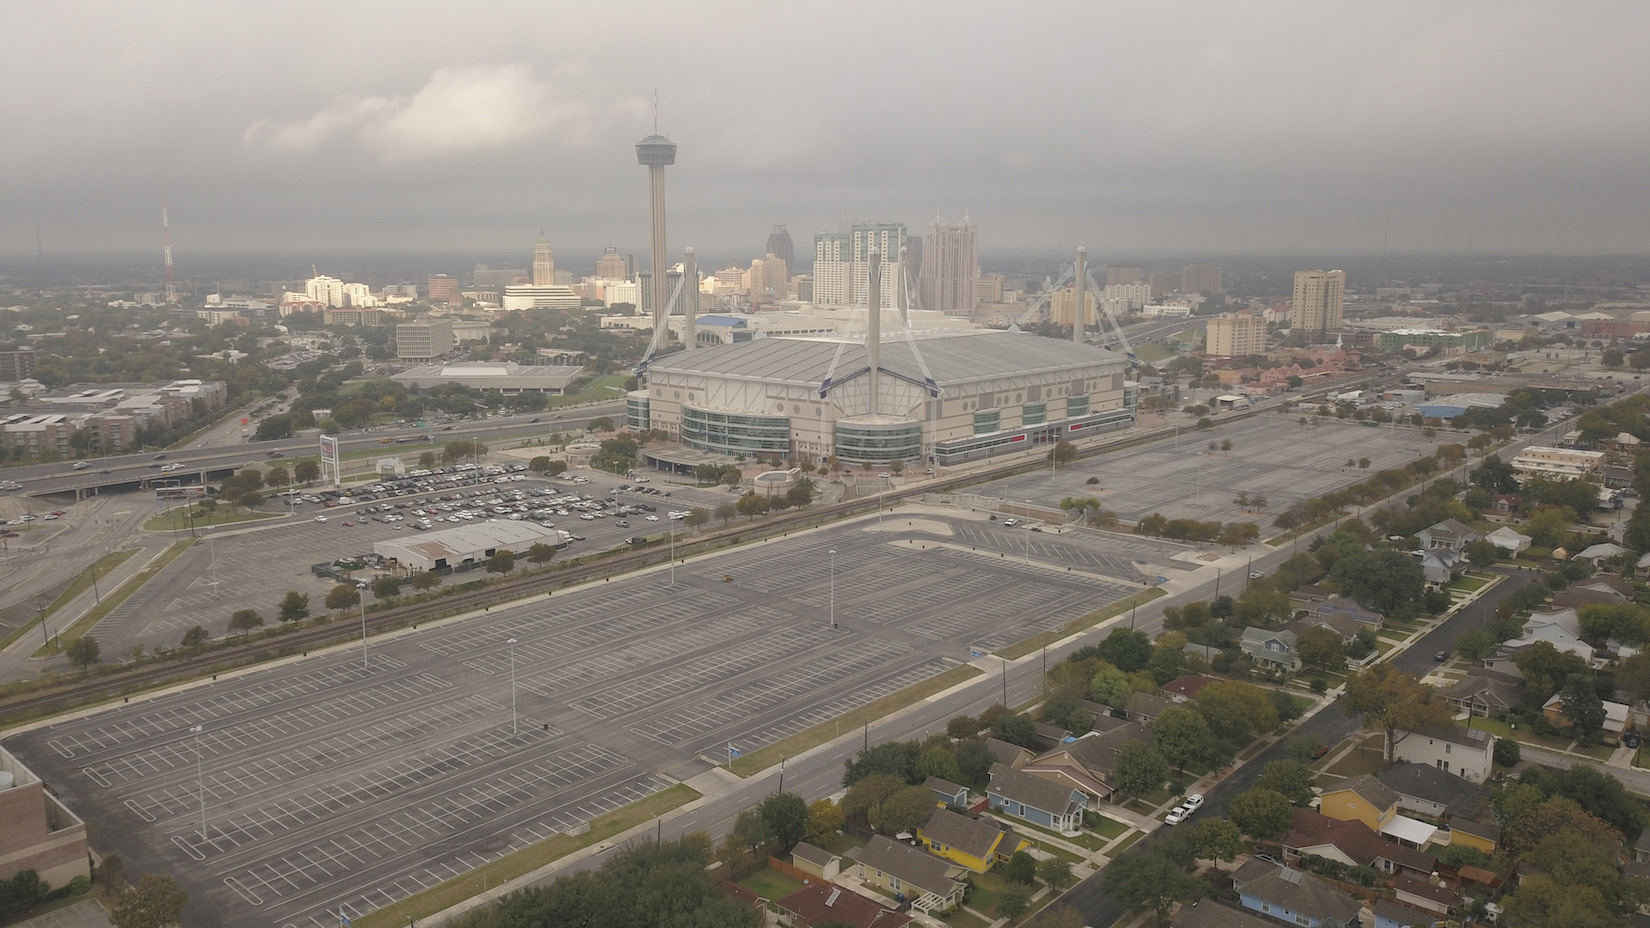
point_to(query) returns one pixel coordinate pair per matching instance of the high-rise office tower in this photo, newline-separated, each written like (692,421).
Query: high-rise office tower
(1316,311)
(611,265)
(1235,335)
(950,268)
(1125,274)
(780,245)
(544,266)
(1200,278)
(1163,283)
(657,153)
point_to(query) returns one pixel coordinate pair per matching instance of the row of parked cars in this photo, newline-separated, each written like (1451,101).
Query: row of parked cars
(1182,812)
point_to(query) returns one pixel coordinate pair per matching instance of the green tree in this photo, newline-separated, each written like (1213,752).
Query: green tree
(1110,686)
(1475,644)
(1182,736)
(726,512)
(1148,882)
(750,505)
(426,461)
(83,652)
(751,831)
(278,476)
(1020,868)
(1055,872)
(196,637)
(1138,768)
(1548,525)
(386,587)
(939,762)
(891,758)
(424,580)
(539,464)
(294,606)
(1015,729)
(1394,703)
(824,820)
(306,472)
(1389,582)
(907,809)
(540,553)
(696,518)
(868,793)
(343,596)
(974,759)
(1321,648)
(1539,902)
(1125,649)
(1261,814)
(1217,839)
(1507,752)
(1545,669)
(502,562)
(1290,779)
(1063,452)
(1235,710)
(1014,900)
(786,817)
(245,620)
(154,902)
(1582,706)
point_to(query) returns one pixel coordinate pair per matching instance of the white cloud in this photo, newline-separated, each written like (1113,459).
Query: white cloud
(458,111)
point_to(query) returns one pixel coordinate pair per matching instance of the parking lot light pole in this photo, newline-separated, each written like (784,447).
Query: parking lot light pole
(513,728)
(672,552)
(1028,533)
(833,588)
(200,780)
(362,599)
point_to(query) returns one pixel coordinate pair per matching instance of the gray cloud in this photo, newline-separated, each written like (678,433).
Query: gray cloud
(1191,127)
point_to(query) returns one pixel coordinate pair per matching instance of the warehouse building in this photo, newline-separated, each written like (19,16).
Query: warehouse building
(467,545)
(507,377)
(944,400)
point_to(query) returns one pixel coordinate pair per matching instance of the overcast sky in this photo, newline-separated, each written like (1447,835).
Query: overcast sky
(1138,129)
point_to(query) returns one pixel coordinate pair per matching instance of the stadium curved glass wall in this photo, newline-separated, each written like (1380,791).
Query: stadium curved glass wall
(734,433)
(878,442)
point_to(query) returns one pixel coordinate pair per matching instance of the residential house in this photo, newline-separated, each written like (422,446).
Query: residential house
(1040,801)
(1389,914)
(1145,708)
(1448,535)
(1350,608)
(1351,843)
(1086,763)
(1465,752)
(1011,755)
(1206,652)
(1343,626)
(1207,913)
(1274,650)
(1484,694)
(1561,629)
(1600,552)
(976,843)
(1481,835)
(952,794)
(1365,799)
(1292,896)
(818,903)
(1424,893)
(1618,717)
(1601,590)
(1441,566)
(816,860)
(1308,594)
(1509,540)
(1641,847)
(1184,689)
(1642,566)
(929,883)
(1427,790)
(1049,734)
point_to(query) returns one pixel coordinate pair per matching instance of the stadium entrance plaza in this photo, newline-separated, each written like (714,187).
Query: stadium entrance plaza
(348,782)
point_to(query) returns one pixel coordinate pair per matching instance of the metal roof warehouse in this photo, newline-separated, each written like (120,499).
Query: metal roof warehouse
(466,544)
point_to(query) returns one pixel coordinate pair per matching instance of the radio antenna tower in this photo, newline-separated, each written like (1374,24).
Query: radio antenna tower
(171,282)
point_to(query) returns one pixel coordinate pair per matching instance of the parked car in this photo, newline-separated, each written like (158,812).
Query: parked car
(1319,752)
(1193,802)
(1177,815)
(1441,656)
(320,518)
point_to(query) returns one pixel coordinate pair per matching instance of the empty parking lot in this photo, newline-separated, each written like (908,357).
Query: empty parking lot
(344,782)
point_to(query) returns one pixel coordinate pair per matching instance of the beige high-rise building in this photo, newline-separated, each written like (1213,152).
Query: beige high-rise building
(423,339)
(989,288)
(544,266)
(1316,310)
(768,280)
(1063,300)
(1235,335)
(611,265)
(1200,278)
(1124,274)
(1164,283)
(950,268)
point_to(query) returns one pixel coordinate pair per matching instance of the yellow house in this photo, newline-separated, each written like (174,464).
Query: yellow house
(1486,838)
(1365,799)
(974,843)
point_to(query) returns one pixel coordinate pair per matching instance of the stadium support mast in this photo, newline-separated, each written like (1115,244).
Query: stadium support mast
(166,234)
(1079,316)
(873,326)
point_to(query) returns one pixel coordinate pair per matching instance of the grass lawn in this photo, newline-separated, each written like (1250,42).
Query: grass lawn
(594,390)
(1467,583)
(1029,831)
(770,884)
(843,843)
(178,519)
(1109,827)
(438,898)
(757,761)
(83,582)
(963,919)
(1358,762)
(1124,844)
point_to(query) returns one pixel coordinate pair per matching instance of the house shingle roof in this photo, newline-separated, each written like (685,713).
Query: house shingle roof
(1028,790)
(1096,752)
(1004,752)
(812,853)
(1403,914)
(1211,914)
(1471,737)
(1370,790)
(975,837)
(1187,686)
(1426,889)
(820,902)
(1302,893)
(1146,704)
(1431,784)
(911,865)
(1355,840)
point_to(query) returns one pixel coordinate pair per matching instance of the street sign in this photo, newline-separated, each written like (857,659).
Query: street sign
(732,752)
(975,652)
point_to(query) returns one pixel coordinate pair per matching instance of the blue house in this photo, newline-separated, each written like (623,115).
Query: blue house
(1293,896)
(1038,801)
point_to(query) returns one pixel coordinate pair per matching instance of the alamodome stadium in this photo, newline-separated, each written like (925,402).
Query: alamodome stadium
(868,401)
